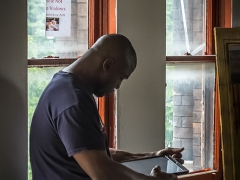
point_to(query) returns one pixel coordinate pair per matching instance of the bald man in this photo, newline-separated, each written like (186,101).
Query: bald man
(67,138)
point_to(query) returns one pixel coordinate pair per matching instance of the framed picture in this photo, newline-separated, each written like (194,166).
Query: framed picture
(227,42)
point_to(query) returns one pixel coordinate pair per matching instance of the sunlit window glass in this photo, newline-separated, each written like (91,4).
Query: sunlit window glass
(41,44)
(185,27)
(190,112)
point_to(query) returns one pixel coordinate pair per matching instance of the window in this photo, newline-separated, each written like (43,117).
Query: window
(40,45)
(190,112)
(47,55)
(98,25)
(186,22)
(190,87)
(192,118)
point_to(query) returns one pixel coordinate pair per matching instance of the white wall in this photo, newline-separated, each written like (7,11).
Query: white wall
(235,13)
(141,99)
(13,90)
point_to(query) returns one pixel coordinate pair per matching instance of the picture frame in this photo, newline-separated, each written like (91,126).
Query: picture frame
(227,43)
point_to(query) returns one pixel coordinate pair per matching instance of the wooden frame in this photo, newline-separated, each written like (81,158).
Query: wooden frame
(218,15)
(224,37)
(215,174)
(50,62)
(190,59)
(103,21)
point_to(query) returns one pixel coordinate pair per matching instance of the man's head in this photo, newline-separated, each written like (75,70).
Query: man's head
(103,67)
(118,61)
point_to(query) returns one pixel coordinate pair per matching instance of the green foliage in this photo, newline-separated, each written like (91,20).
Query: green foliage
(37,81)
(38,78)
(38,45)
(169,27)
(169,88)
(169,108)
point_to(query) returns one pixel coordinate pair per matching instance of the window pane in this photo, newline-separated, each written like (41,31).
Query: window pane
(190,112)
(185,27)
(40,46)
(38,78)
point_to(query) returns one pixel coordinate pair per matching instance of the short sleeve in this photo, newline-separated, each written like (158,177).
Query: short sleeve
(79,129)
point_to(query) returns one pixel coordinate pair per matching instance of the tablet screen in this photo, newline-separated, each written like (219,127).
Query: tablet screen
(146,165)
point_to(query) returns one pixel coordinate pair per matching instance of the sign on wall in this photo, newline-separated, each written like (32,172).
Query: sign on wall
(58,18)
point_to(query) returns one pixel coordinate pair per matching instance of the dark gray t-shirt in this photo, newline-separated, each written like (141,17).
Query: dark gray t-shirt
(65,122)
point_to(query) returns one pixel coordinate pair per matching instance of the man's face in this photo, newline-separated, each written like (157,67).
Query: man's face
(108,86)
(113,80)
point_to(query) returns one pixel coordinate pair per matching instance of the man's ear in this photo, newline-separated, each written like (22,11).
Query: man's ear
(107,64)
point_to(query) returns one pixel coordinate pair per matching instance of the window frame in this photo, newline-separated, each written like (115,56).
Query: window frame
(215,174)
(105,23)
(218,15)
(99,23)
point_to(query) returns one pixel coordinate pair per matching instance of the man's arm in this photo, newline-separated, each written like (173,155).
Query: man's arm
(122,156)
(99,166)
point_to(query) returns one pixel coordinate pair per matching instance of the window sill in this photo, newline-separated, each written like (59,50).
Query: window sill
(50,62)
(208,175)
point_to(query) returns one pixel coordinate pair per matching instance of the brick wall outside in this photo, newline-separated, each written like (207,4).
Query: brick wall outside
(187,99)
(194,22)
(187,117)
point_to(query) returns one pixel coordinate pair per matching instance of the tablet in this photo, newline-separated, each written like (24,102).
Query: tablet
(167,164)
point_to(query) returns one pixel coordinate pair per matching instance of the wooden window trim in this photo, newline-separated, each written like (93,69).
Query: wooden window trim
(215,174)
(106,23)
(218,15)
(209,175)
(50,62)
(190,59)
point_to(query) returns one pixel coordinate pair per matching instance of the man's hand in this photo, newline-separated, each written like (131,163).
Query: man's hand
(156,172)
(174,152)
(98,165)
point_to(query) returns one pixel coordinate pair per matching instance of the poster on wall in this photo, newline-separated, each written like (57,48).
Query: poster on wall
(58,18)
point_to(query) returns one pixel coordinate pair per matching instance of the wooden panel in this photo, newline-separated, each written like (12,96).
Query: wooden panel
(103,21)
(211,21)
(190,59)
(219,14)
(236,105)
(225,37)
(210,175)
(217,140)
(50,62)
